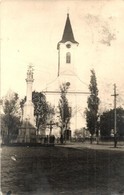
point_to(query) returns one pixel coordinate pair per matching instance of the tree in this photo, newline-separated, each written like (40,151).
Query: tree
(92,106)
(80,133)
(120,121)
(42,109)
(107,122)
(11,117)
(64,109)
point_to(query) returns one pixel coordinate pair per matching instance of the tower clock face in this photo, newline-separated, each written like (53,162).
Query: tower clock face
(68,45)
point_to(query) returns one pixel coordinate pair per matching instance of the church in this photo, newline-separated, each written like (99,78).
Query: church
(76,95)
(77,92)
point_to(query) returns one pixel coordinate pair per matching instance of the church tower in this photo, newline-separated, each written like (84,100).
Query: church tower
(66,51)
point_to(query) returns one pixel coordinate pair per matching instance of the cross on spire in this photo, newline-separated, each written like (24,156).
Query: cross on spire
(68,11)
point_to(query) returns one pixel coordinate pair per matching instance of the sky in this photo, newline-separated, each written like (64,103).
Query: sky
(31,29)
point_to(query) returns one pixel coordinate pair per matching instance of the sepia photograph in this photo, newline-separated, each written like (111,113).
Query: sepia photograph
(61,97)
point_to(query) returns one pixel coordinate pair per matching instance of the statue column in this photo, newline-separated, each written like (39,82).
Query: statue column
(27,132)
(28,106)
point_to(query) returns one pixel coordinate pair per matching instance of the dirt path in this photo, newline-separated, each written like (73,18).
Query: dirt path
(101,146)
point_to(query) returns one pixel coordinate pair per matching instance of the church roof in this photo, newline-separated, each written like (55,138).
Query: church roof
(68,32)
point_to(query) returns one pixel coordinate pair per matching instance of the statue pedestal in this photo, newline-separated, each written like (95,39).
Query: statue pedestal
(27,134)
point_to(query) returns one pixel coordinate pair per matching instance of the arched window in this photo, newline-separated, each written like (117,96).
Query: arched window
(68,57)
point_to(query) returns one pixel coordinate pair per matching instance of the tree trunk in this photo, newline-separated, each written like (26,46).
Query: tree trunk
(91,139)
(97,139)
(115,141)
(8,136)
(61,139)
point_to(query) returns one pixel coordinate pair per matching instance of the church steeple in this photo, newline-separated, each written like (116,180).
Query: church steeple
(68,33)
(66,51)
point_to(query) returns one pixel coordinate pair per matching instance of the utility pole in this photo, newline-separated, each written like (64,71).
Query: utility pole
(115,115)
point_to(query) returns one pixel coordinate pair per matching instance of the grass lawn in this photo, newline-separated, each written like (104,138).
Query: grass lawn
(58,170)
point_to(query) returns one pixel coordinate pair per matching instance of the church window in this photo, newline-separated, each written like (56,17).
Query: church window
(68,57)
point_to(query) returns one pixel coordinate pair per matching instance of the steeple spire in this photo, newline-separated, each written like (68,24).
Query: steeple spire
(66,50)
(68,32)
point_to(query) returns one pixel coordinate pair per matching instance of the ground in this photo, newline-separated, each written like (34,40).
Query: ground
(62,170)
